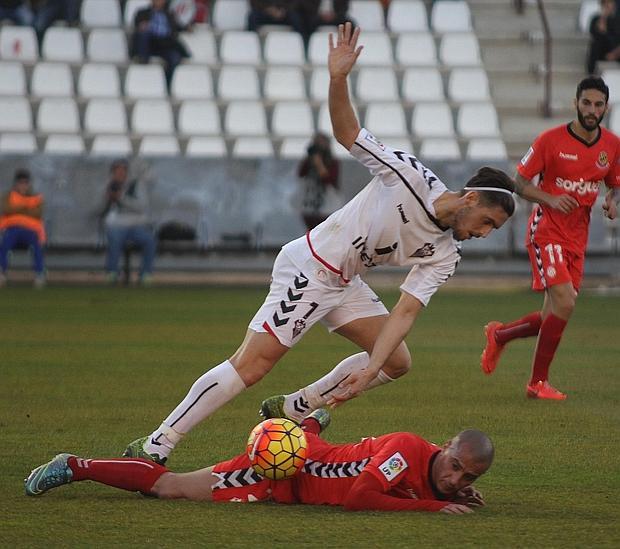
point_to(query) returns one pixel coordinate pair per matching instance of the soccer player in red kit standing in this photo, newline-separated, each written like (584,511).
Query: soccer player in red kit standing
(393,472)
(575,159)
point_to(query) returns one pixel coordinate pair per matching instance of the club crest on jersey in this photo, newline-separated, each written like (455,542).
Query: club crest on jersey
(603,160)
(393,466)
(425,251)
(551,272)
(300,325)
(373,139)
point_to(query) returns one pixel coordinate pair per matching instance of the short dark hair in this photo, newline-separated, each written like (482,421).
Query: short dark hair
(593,83)
(492,177)
(20,174)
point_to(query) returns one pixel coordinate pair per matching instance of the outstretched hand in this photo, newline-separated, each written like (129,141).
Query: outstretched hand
(351,387)
(344,54)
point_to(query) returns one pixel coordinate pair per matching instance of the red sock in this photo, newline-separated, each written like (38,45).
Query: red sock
(549,338)
(311,425)
(527,326)
(133,474)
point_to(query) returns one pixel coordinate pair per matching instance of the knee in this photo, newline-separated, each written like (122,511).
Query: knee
(399,363)
(251,369)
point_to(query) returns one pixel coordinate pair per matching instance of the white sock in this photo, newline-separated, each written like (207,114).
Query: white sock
(299,404)
(208,393)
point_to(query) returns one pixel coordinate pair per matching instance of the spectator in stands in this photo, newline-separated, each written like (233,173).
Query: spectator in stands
(314,16)
(277,12)
(21,220)
(126,222)
(319,171)
(17,11)
(156,33)
(604,36)
(188,12)
(48,11)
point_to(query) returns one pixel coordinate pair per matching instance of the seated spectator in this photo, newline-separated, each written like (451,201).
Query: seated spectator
(604,36)
(188,12)
(156,33)
(277,12)
(48,11)
(17,11)
(126,222)
(21,219)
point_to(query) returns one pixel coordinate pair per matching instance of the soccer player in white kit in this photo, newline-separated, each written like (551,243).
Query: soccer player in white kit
(404,216)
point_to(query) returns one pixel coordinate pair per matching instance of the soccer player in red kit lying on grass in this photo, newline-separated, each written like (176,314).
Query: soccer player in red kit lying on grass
(393,472)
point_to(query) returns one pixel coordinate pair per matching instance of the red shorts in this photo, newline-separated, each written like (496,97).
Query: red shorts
(552,264)
(237,481)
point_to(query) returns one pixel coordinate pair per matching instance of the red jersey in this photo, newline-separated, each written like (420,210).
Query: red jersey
(569,165)
(401,462)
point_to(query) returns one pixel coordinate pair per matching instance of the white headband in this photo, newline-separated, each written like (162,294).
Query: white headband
(493,189)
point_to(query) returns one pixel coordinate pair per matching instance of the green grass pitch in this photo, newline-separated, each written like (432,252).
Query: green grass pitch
(87,370)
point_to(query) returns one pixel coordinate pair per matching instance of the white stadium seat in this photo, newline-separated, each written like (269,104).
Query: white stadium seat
(319,84)
(206,147)
(459,49)
(377,50)
(240,48)
(614,120)
(199,118)
(294,147)
(63,44)
(131,7)
(468,84)
(17,143)
(450,16)
(105,116)
(422,84)
(107,46)
(238,83)
(201,46)
(145,82)
(386,120)
(58,115)
(292,119)
(407,16)
(99,80)
(100,13)
(284,48)
(440,149)
(15,114)
(64,144)
(612,79)
(51,80)
(284,83)
(477,120)
(19,44)
(432,120)
(486,149)
(12,78)
(416,50)
(245,118)
(230,15)
(192,82)
(252,147)
(587,10)
(368,14)
(159,145)
(376,84)
(152,117)
(324,123)
(318,48)
(111,145)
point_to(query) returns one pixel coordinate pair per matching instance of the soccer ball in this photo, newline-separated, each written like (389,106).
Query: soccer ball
(277,448)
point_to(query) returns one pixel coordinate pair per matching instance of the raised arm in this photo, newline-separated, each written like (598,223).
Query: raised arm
(342,58)
(526,189)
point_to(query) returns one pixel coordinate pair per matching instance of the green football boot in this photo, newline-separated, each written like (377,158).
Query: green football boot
(55,472)
(321,416)
(136,449)
(273,407)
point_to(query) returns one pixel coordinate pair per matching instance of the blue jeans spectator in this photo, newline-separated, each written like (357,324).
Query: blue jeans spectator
(119,237)
(20,15)
(20,237)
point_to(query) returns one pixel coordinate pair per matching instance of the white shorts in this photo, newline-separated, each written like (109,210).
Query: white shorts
(303,292)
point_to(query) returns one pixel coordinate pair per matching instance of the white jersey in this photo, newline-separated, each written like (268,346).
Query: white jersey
(391,221)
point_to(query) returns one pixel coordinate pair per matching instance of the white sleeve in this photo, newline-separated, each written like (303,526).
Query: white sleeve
(424,279)
(391,165)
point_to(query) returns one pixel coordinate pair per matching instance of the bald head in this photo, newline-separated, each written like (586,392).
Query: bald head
(476,444)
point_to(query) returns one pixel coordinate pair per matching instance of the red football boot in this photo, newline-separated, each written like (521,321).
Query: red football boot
(544,390)
(493,350)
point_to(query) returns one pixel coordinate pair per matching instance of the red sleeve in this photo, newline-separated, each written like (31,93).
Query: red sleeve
(612,179)
(367,494)
(533,162)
